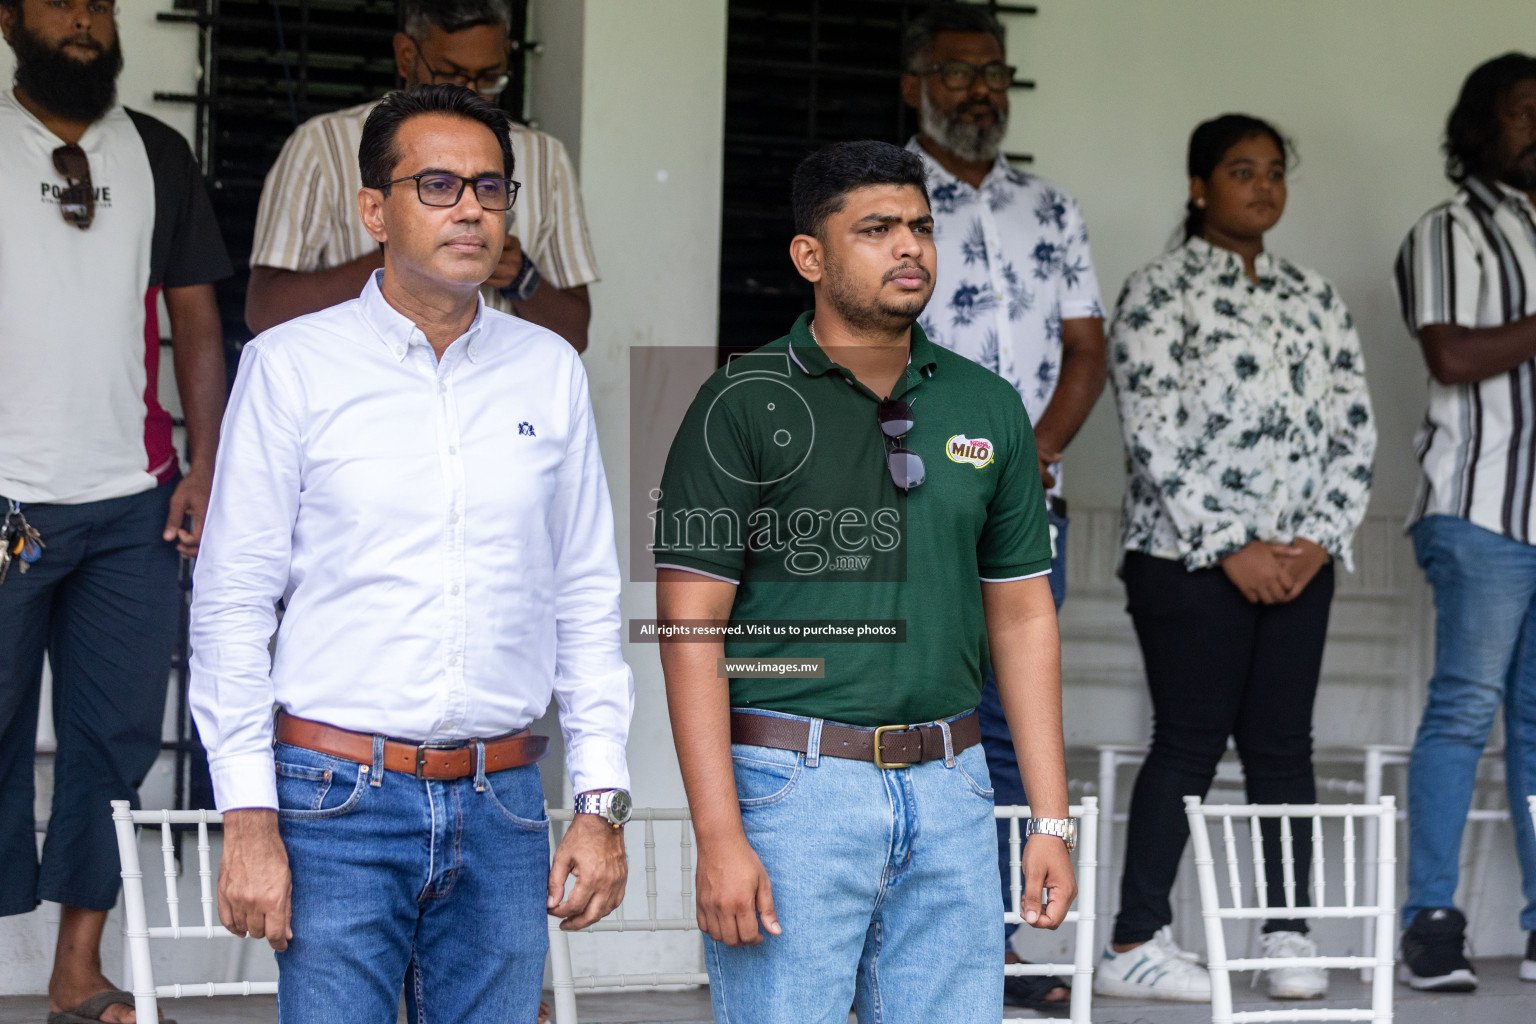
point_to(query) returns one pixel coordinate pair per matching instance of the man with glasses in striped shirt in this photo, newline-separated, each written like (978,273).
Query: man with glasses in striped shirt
(1466,276)
(311,250)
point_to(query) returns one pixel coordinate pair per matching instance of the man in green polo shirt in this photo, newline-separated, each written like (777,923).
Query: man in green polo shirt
(856,476)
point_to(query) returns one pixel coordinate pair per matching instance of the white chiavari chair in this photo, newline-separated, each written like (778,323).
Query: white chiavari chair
(1232,819)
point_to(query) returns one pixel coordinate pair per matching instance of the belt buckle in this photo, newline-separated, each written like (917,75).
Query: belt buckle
(880,731)
(421,756)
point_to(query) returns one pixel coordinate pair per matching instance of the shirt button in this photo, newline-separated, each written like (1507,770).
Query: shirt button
(453,659)
(442,389)
(453,517)
(473,350)
(454,589)
(453,449)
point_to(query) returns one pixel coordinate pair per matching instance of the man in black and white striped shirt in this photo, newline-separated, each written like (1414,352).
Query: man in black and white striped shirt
(1466,276)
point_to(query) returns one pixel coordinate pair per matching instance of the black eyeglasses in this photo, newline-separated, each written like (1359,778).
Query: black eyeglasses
(488,85)
(77,202)
(906,466)
(437,189)
(959,74)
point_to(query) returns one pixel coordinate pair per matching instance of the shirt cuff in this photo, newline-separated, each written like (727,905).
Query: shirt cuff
(243,781)
(597,764)
(1216,546)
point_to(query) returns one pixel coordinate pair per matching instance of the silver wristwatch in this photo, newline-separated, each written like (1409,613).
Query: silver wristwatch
(1064,829)
(612,805)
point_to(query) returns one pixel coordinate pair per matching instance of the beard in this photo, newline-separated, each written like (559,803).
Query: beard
(858,312)
(1522,172)
(968,141)
(75,90)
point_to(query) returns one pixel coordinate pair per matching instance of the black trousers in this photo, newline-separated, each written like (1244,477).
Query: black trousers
(1218,666)
(103,602)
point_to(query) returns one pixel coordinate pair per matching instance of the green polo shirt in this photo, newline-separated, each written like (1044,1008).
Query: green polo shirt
(777,481)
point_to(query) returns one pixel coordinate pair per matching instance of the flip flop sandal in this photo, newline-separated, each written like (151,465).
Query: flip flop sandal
(1030,991)
(90,1010)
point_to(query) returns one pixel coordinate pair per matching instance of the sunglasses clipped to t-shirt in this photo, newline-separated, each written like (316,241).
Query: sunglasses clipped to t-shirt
(77,202)
(896,422)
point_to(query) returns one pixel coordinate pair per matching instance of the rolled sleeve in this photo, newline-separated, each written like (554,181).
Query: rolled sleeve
(593,686)
(242,570)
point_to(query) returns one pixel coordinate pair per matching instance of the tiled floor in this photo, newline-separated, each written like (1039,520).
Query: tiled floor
(1501,999)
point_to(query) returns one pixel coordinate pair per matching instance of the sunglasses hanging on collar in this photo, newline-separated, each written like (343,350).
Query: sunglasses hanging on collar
(77,202)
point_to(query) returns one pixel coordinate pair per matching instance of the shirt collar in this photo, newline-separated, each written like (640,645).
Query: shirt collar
(814,362)
(399,332)
(1226,259)
(937,170)
(1493,193)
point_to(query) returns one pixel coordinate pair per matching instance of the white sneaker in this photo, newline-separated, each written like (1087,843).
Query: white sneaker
(1156,969)
(1293,982)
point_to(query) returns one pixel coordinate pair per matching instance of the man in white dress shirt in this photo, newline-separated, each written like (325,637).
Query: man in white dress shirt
(417,477)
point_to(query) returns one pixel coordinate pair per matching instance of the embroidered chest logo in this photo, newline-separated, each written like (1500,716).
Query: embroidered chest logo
(973,451)
(525,429)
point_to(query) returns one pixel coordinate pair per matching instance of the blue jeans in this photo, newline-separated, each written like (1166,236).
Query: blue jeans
(395,877)
(1485,656)
(884,885)
(996,740)
(103,603)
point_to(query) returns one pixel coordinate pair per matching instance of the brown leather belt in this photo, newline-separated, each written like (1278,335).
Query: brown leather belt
(888,746)
(424,760)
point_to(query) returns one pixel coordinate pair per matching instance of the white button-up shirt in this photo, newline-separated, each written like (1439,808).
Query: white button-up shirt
(440,532)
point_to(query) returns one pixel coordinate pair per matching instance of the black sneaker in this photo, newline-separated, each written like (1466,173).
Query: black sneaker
(1528,965)
(1432,952)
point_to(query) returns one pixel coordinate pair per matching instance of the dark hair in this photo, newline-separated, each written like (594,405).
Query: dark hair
(918,38)
(453,15)
(827,175)
(1473,126)
(1208,145)
(377,154)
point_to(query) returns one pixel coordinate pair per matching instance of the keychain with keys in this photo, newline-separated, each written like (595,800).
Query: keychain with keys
(20,540)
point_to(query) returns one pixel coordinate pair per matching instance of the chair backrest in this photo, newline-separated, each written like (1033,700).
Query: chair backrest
(1232,819)
(1081,918)
(624,918)
(137,932)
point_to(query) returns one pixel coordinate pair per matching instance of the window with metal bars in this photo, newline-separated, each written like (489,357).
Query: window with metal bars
(269,65)
(799,74)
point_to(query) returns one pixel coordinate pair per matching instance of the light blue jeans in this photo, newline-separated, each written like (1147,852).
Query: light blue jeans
(438,887)
(885,884)
(1485,656)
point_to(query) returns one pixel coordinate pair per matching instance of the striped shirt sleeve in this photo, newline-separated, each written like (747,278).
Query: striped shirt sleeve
(1439,273)
(562,248)
(291,221)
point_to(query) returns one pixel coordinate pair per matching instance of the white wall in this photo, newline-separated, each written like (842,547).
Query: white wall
(650,120)
(1363,87)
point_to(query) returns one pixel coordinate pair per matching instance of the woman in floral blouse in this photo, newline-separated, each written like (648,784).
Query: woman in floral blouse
(1249,436)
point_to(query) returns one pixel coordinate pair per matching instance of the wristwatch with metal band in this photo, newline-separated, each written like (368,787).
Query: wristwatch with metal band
(1064,829)
(612,805)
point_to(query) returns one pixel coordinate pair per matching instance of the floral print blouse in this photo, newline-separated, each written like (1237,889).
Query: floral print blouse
(1243,407)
